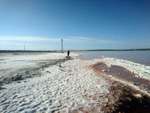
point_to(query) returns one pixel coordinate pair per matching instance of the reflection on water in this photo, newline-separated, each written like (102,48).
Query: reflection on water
(141,57)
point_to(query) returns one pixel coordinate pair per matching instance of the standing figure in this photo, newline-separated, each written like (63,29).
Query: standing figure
(68,52)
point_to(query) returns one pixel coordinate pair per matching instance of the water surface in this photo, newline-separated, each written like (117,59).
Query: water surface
(142,57)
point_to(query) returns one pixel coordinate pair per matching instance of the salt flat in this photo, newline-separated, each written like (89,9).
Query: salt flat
(14,66)
(64,87)
(14,61)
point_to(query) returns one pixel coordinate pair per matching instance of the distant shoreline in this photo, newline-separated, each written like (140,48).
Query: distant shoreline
(119,50)
(5,51)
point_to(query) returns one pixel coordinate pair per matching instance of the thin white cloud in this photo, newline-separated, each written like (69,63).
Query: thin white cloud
(108,41)
(82,38)
(18,42)
(35,39)
(93,40)
(70,40)
(13,43)
(7,45)
(25,38)
(43,47)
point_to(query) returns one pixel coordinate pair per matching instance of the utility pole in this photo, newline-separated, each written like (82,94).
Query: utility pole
(62,45)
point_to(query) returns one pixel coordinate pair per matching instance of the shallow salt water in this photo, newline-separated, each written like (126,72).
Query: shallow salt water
(123,73)
(141,57)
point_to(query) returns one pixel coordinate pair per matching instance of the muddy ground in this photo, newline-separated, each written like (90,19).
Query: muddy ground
(124,98)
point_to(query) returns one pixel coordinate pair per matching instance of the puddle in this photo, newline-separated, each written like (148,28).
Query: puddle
(123,73)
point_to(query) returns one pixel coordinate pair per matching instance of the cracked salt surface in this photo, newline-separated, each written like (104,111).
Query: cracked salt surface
(60,88)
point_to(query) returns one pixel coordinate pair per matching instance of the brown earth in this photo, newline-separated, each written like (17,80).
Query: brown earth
(122,97)
(123,74)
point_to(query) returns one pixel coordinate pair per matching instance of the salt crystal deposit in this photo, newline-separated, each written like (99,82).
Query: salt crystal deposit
(59,88)
(64,87)
(139,69)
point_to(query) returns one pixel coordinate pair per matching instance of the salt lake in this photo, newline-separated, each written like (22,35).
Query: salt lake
(142,57)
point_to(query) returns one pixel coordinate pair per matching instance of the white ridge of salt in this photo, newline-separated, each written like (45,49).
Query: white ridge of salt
(63,90)
(139,69)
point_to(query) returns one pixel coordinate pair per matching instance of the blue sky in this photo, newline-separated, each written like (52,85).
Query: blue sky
(83,24)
